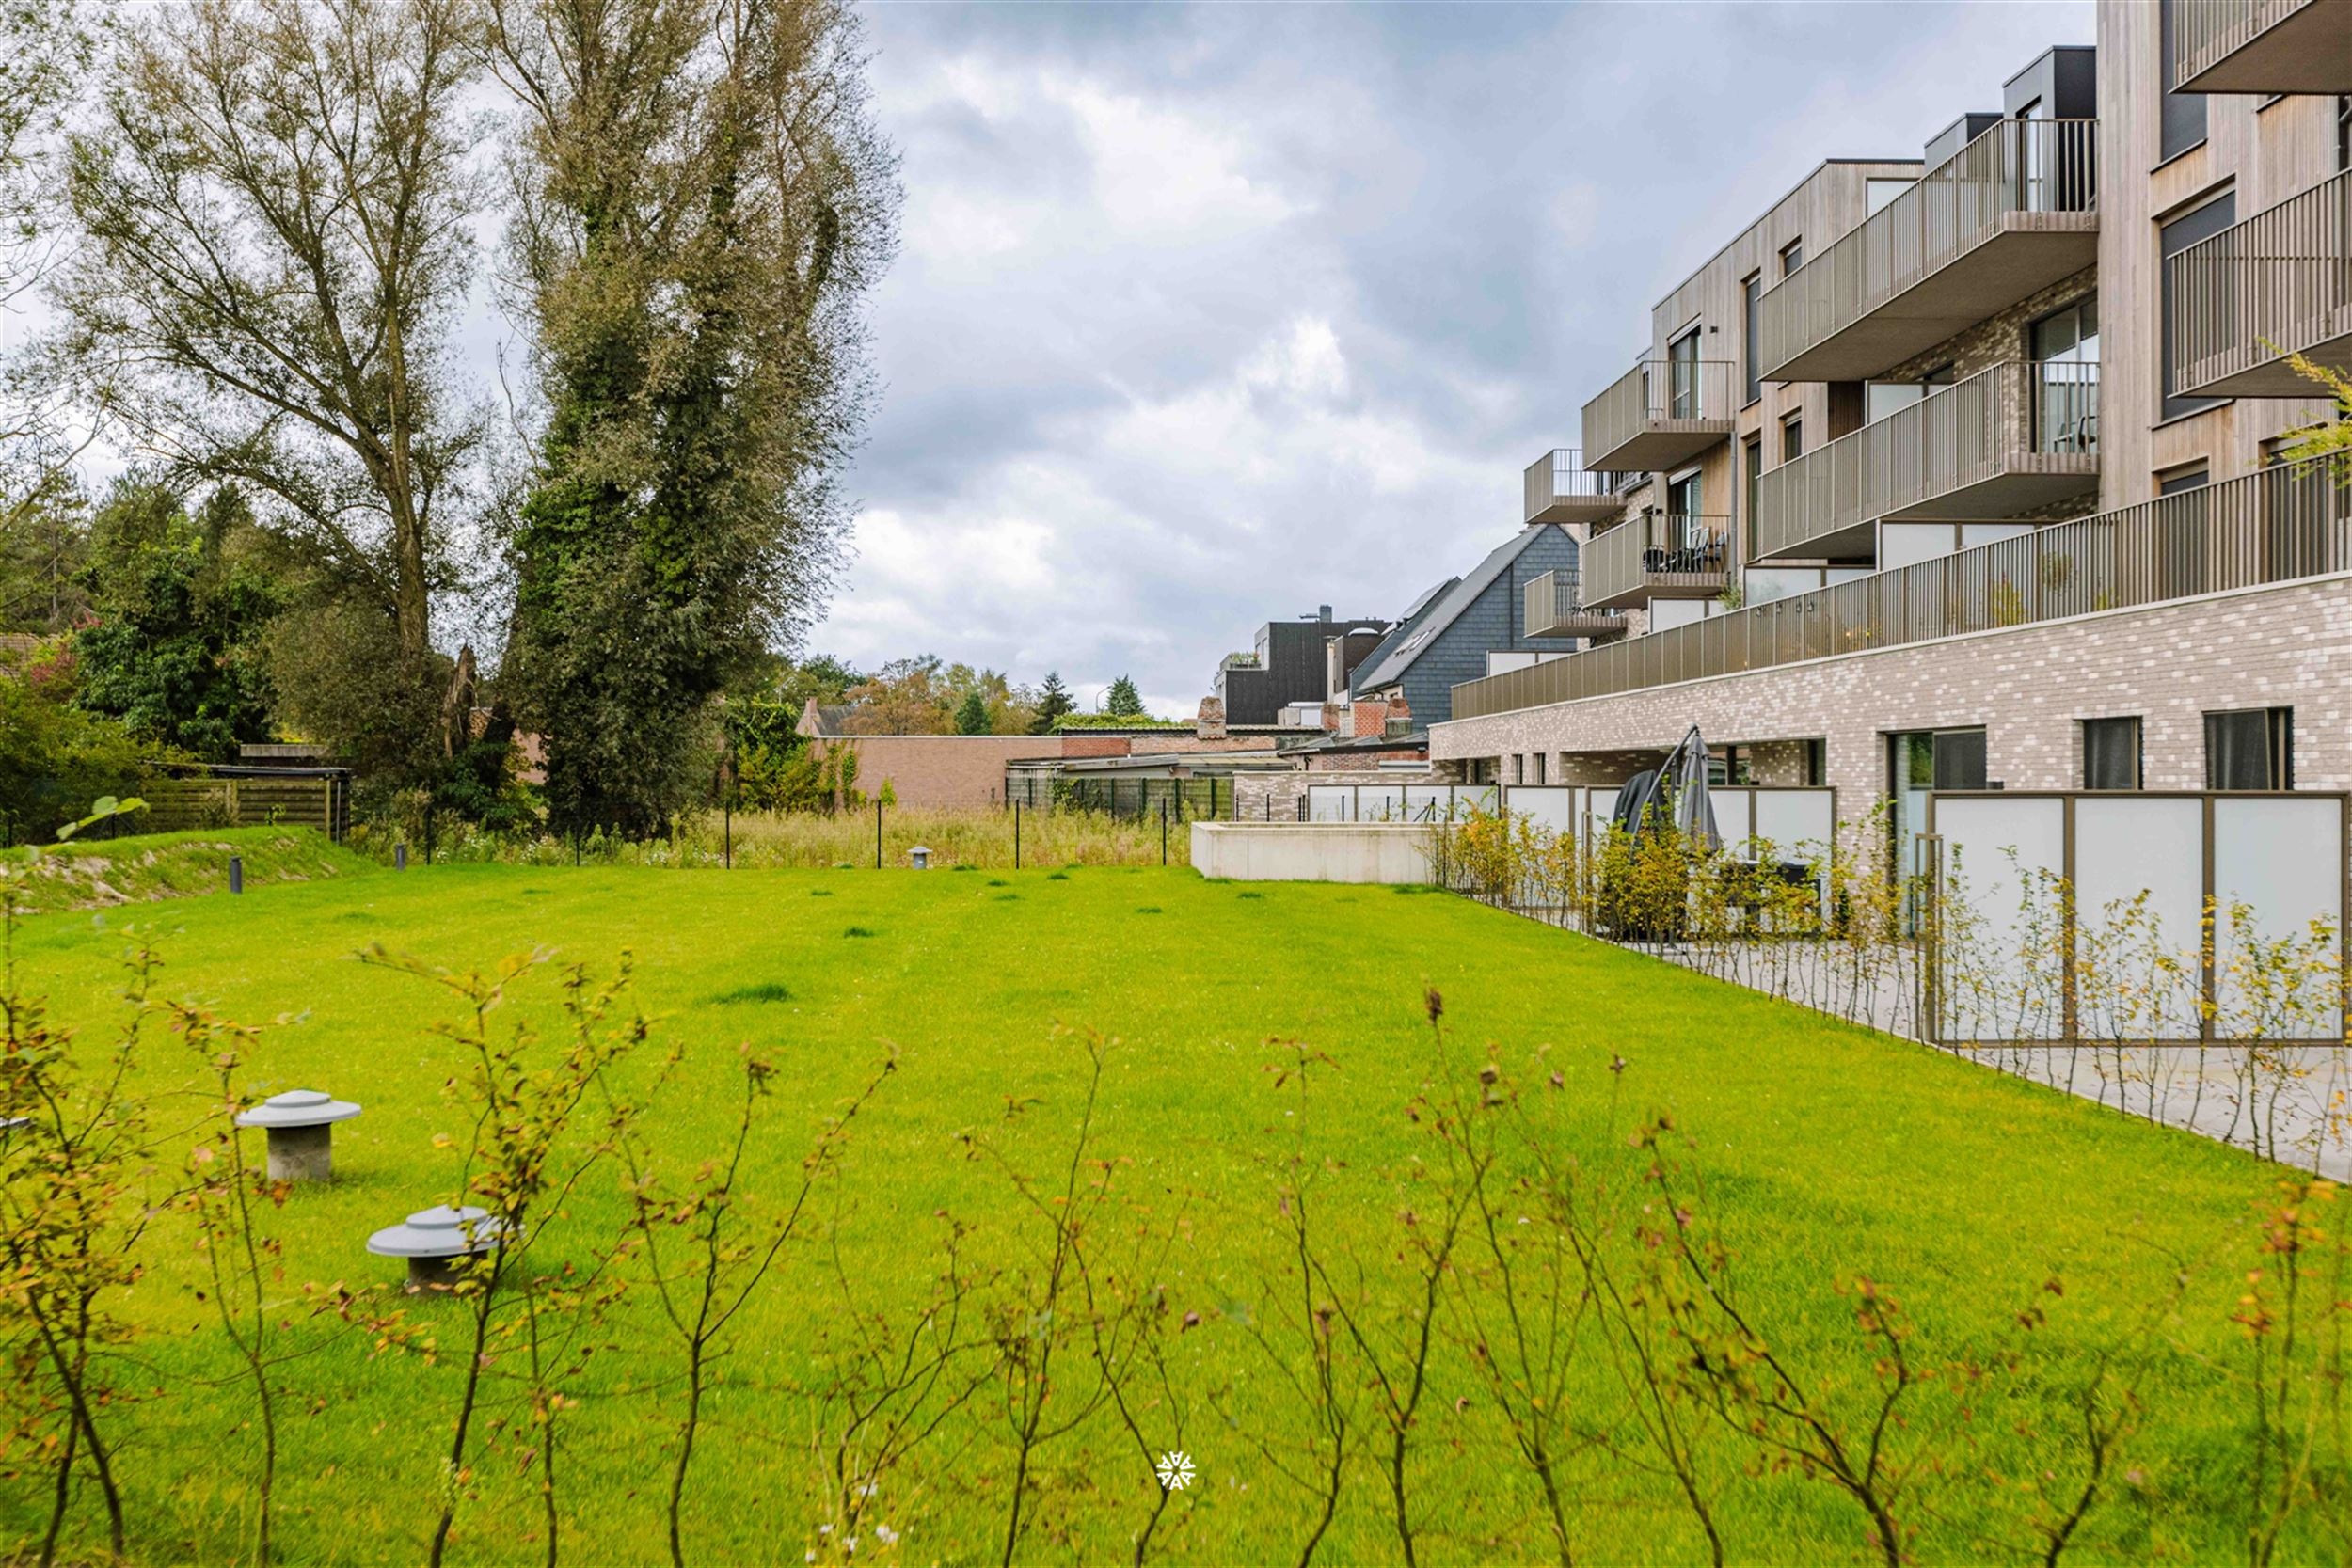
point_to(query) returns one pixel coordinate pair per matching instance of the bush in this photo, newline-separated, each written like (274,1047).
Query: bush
(55,760)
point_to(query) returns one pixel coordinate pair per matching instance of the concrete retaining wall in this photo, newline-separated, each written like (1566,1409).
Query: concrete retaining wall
(1311,851)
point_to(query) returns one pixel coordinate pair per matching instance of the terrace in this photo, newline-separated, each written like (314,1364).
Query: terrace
(2261,46)
(1551,609)
(2008,440)
(1658,555)
(2009,214)
(1560,489)
(1660,413)
(2277,284)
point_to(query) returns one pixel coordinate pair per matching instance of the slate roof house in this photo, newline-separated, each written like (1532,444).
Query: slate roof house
(1451,632)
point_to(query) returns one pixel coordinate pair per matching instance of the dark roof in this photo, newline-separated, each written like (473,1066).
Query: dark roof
(1408,741)
(1386,665)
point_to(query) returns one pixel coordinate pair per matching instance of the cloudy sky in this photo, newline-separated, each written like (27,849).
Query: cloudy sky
(1206,316)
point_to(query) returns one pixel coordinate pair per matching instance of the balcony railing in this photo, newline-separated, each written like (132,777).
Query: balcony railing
(2025,193)
(2278,283)
(2264,46)
(1560,489)
(2271,527)
(1552,611)
(1658,414)
(2006,439)
(1661,556)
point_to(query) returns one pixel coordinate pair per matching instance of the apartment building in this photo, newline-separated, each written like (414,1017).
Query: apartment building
(1964,470)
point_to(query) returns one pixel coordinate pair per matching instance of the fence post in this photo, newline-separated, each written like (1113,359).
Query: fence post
(1016,835)
(1163,832)
(878,833)
(726,831)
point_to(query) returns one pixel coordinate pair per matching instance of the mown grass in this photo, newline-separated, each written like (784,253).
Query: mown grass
(1826,1151)
(96,872)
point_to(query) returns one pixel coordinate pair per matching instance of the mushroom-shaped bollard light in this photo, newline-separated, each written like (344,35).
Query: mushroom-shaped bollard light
(921,856)
(301,1124)
(436,1242)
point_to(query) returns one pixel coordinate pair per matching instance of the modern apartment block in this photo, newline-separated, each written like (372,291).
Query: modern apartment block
(1964,470)
(1306,660)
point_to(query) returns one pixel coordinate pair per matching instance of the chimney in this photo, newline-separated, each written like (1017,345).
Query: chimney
(1323,613)
(1210,722)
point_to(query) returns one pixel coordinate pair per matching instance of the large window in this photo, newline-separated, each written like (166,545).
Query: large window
(2173,238)
(2183,117)
(1751,291)
(2111,754)
(2250,749)
(1682,369)
(1878,194)
(2065,347)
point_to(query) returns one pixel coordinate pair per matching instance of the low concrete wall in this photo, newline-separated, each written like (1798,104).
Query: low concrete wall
(1312,852)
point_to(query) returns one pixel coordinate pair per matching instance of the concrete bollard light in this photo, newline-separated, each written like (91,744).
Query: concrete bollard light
(301,1125)
(921,856)
(436,1242)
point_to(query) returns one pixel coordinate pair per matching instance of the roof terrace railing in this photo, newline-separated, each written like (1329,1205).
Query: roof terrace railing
(2272,526)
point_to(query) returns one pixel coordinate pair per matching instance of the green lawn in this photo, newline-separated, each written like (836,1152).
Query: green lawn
(1825,1151)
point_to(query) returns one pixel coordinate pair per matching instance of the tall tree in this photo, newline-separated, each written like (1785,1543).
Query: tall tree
(1122,701)
(1052,700)
(274,203)
(706,201)
(972,715)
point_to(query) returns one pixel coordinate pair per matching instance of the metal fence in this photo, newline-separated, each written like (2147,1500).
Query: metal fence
(1187,799)
(2276,526)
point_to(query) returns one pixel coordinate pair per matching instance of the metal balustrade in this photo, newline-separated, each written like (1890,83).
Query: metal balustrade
(2265,46)
(1550,608)
(1658,414)
(1560,489)
(2014,437)
(2272,526)
(1662,555)
(2278,283)
(1895,285)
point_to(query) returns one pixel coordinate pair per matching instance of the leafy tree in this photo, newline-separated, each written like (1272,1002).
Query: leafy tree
(2328,439)
(972,715)
(1122,701)
(55,759)
(906,696)
(276,215)
(180,605)
(707,202)
(44,549)
(1052,700)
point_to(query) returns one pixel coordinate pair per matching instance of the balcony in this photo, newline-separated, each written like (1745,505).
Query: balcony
(2263,46)
(1659,556)
(2006,440)
(1660,413)
(2276,526)
(1551,610)
(1560,489)
(2012,213)
(2278,283)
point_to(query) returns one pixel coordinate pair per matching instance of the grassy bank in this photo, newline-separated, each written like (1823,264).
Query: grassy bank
(98,873)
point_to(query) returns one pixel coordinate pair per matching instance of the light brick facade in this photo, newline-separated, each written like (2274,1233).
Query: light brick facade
(2030,687)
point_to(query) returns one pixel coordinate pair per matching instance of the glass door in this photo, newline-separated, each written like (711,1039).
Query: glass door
(2065,348)
(1682,369)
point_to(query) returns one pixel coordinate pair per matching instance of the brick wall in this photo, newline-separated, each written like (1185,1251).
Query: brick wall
(950,769)
(2030,687)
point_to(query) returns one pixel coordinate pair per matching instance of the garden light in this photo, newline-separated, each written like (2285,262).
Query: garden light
(301,1125)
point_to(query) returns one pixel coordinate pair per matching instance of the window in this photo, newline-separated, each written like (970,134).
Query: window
(1683,371)
(1751,291)
(1791,256)
(2111,754)
(2343,135)
(2191,477)
(1541,757)
(1879,195)
(2065,349)
(1518,767)
(1754,478)
(1960,759)
(2184,122)
(1792,438)
(1817,762)
(2250,749)
(2172,238)
(1882,398)
(1731,765)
